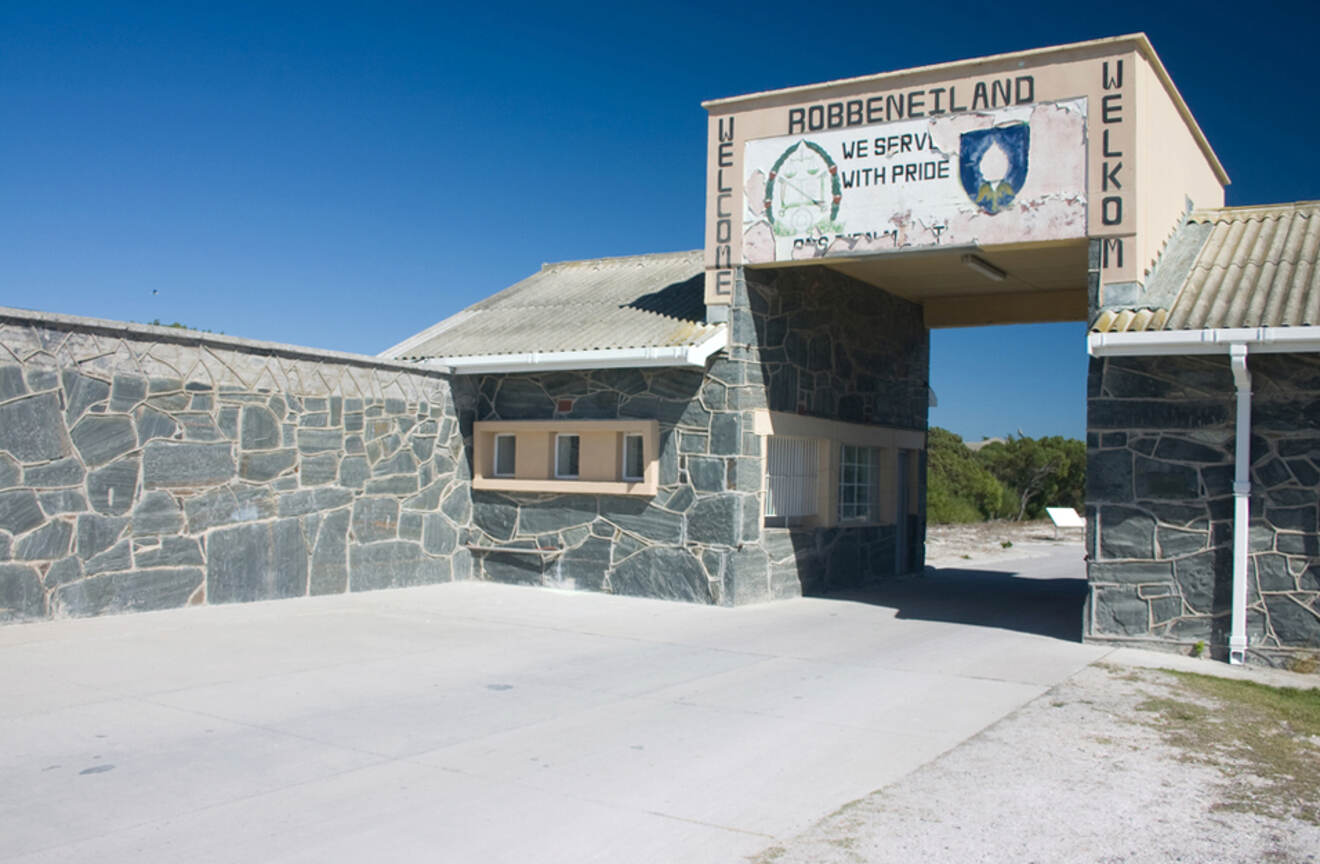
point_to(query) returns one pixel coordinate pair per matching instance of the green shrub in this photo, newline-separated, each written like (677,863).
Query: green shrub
(1040,472)
(958,487)
(1013,479)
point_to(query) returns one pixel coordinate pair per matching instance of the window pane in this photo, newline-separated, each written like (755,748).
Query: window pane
(505,455)
(566,456)
(856,481)
(633,464)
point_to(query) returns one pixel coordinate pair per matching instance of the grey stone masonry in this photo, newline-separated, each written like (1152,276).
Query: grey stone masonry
(682,543)
(836,348)
(839,349)
(832,347)
(1160,448)
(145,468)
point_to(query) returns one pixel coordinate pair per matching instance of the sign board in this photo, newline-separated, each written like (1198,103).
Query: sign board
(1037,146)
(1014,175)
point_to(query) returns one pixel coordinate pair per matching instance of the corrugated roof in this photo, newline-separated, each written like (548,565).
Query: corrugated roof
(641,301)
(1232,267)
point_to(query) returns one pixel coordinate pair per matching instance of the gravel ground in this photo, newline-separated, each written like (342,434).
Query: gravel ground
(1081,774)
(985,542)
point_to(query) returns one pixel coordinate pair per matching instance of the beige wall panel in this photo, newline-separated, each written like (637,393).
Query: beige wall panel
(827,481)
(1020,308)
(536,456)
(599,457)
(1169,175)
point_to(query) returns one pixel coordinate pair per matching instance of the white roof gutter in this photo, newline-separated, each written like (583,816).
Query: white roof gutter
(602,358)
(1263,340)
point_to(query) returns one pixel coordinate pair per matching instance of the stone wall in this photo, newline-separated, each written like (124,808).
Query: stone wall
(836,348)
(683,543)
(838,558)
(832,347)
(147,468)
(1160,445)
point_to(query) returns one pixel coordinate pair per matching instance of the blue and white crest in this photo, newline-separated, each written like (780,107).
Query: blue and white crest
(992,164)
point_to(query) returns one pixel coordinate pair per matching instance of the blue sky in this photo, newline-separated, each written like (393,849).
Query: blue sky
(342,175)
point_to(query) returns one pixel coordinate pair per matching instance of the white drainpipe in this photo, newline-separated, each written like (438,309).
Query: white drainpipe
(1237,639)
(1214,341)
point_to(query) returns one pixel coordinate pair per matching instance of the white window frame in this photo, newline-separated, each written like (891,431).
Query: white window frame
(623,456)
(495,455)
(559,474)
(869,485)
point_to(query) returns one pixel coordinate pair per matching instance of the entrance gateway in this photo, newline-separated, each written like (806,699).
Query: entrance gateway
(748,421)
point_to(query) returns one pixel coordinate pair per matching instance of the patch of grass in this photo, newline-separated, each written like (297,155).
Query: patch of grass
(1299,708)
(1244,727)
(1123,673)
(1174,711)
(1006,544)
(1304,663)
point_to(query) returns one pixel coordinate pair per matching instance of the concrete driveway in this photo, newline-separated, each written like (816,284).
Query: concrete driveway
(479,722)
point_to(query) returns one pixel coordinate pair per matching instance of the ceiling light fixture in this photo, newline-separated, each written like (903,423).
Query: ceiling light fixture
(984,267)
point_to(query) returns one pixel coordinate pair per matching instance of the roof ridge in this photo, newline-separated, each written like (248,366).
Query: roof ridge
(1252,212)
(614,259)
(560,305)
(637,309)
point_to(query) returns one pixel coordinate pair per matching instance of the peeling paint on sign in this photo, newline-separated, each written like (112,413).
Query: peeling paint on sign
(1012,175)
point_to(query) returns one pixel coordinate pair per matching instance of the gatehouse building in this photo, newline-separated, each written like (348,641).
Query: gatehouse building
(747,421)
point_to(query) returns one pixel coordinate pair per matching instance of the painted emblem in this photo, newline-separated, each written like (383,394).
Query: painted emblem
(992,164)
(802,192)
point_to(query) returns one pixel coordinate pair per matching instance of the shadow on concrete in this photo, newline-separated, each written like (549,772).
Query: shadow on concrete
(985,598)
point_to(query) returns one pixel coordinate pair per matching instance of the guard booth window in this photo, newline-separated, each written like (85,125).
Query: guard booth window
(857,482)
(791,466)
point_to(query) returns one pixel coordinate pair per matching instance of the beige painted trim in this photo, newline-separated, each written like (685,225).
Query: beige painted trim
(858,434)
(600,465)
(1015,308)
(563,487)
